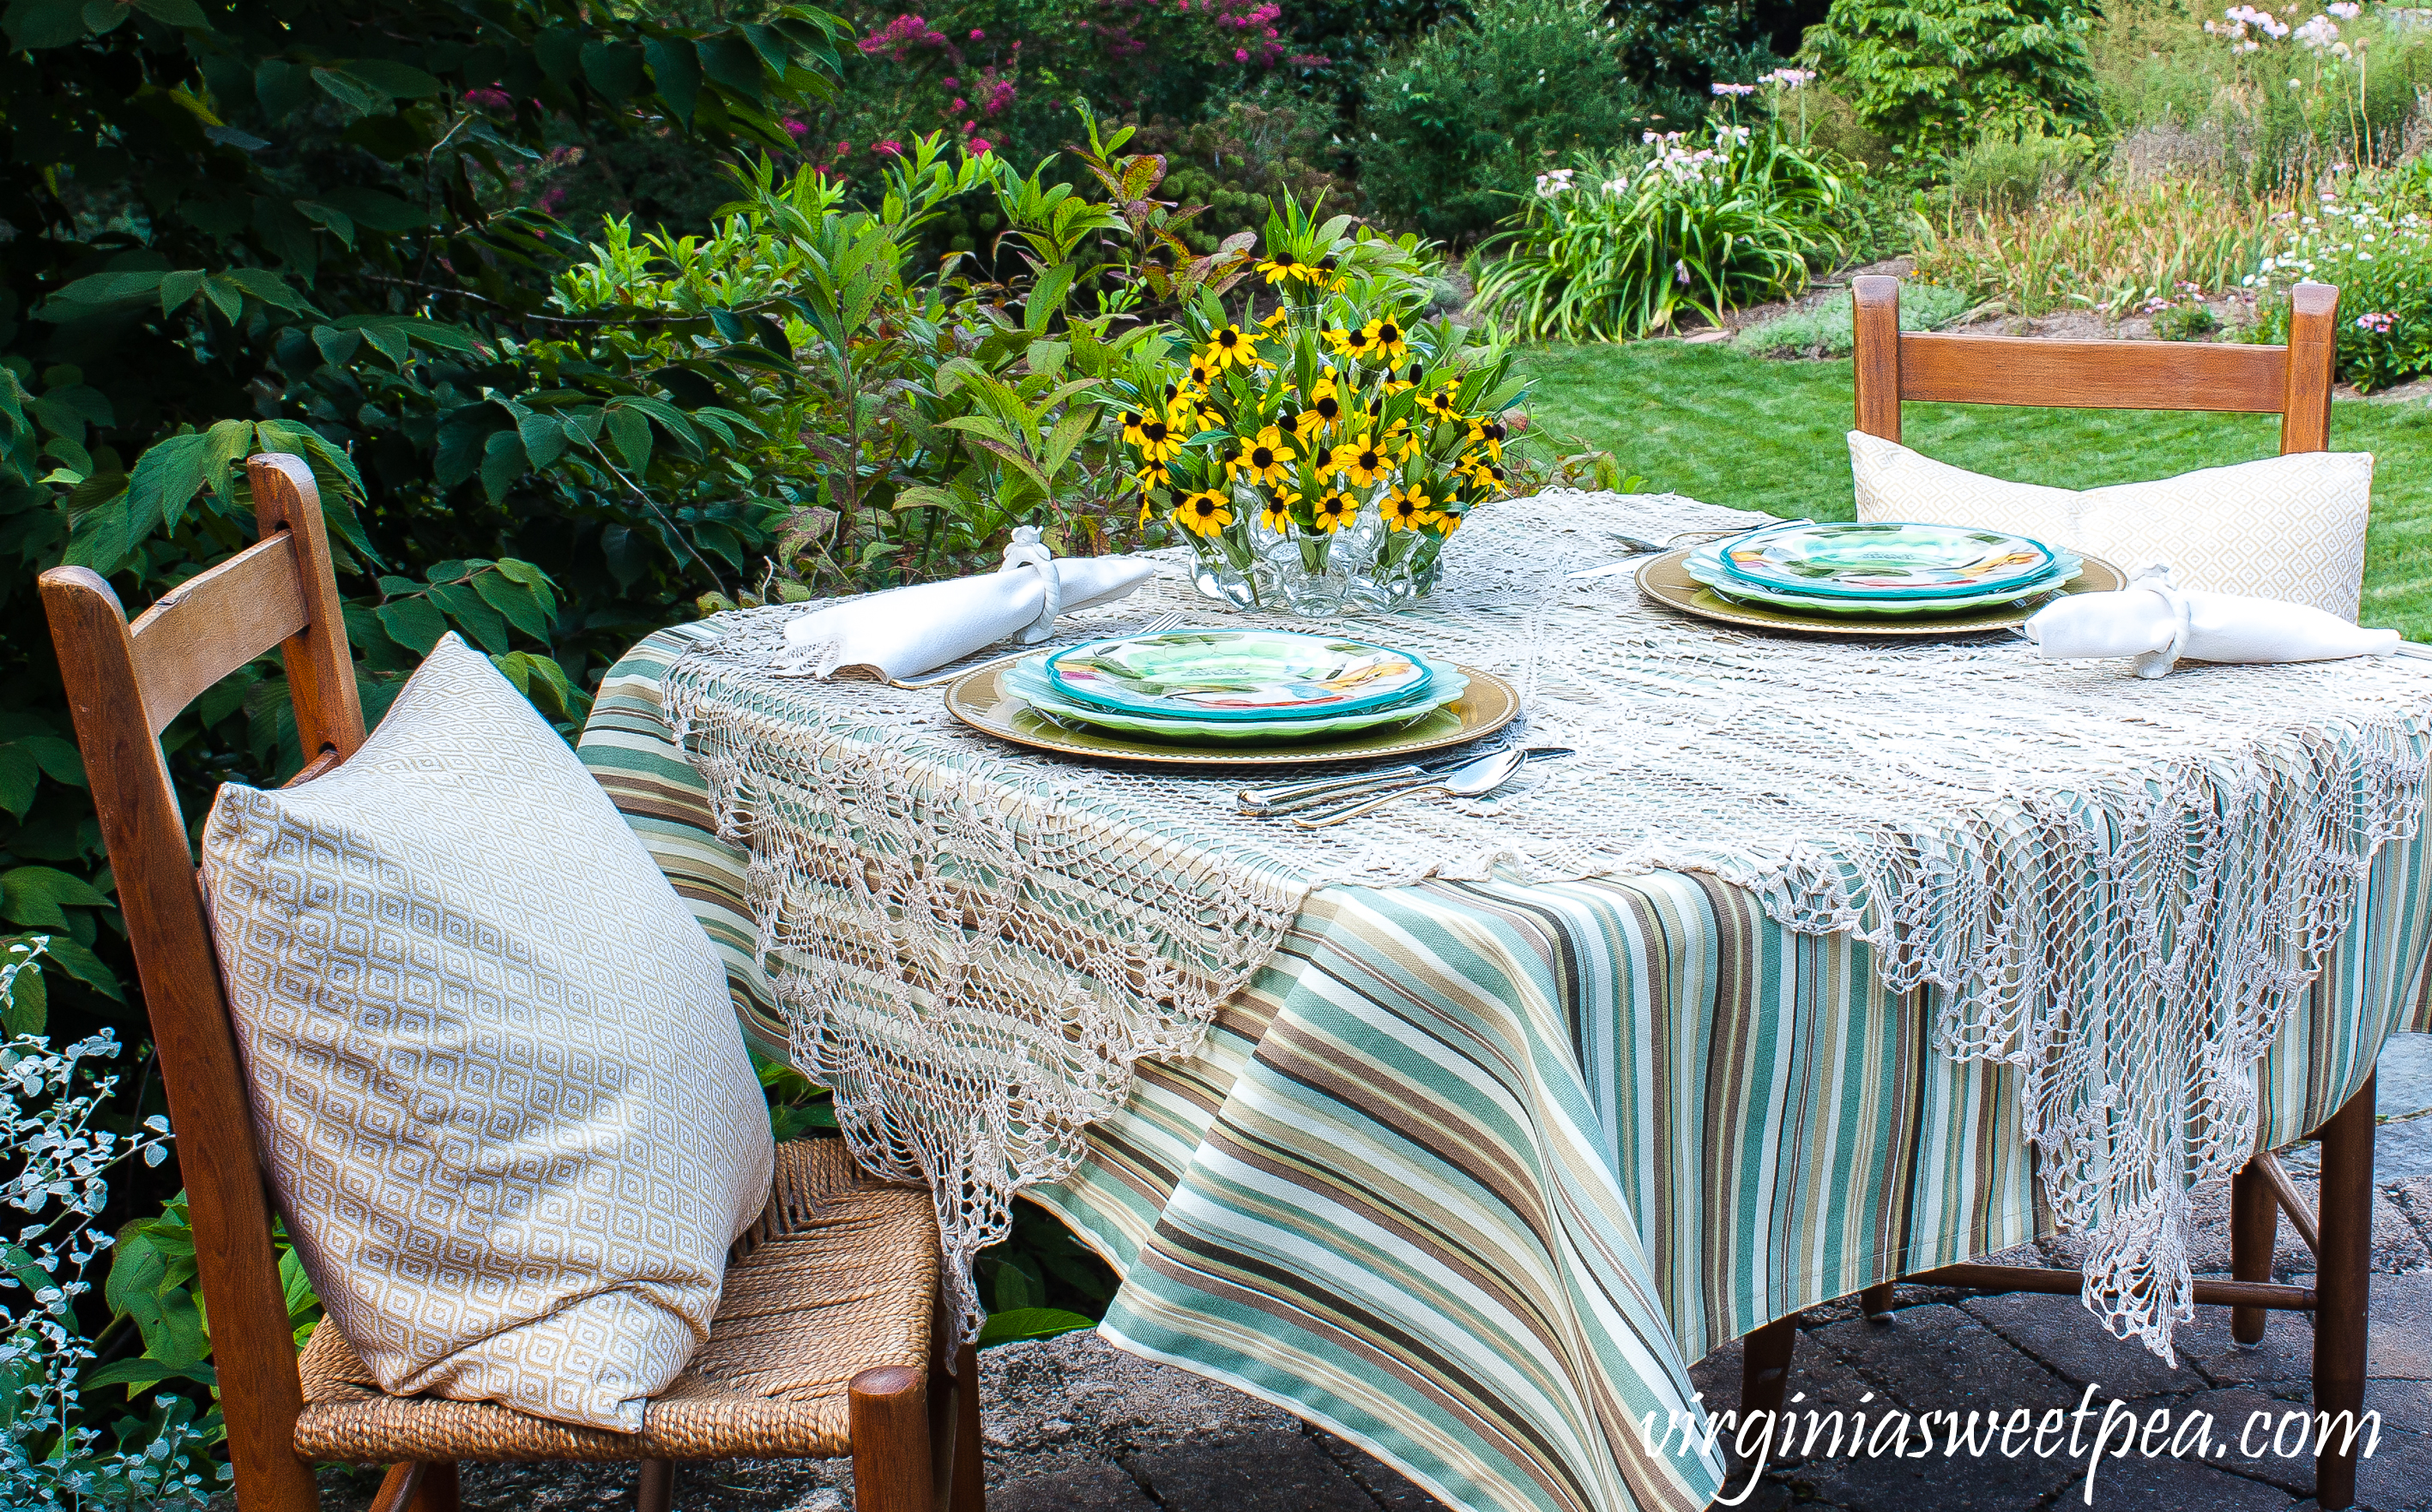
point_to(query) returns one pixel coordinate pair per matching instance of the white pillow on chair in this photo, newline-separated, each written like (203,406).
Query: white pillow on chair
(501,1090)
(2288,527)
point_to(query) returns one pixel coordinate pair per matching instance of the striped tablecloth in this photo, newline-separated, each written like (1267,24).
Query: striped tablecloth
(1472,1169)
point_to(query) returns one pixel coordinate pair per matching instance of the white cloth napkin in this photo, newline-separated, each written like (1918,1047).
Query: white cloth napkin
(905,632)
(2156,622)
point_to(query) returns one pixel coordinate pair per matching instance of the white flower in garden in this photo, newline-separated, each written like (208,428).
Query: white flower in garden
(1733,91)
(2345,10)
(1790,79)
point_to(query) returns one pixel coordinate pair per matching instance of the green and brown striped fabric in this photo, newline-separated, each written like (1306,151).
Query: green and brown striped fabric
(1471,1169)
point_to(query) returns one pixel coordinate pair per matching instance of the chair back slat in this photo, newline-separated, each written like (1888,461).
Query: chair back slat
(125,684)
(2293,381)
(210,624)
(2093,375)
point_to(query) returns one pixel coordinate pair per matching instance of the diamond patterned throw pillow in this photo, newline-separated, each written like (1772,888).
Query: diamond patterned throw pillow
(505,1105)
(2287,526)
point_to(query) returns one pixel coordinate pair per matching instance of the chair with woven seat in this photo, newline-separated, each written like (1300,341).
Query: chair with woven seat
(2294,383)
(831,1336)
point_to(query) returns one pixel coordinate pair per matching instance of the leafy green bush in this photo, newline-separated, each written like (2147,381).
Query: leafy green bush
(1823,328)
(1237,164)
(1479,106)
(1617,246)
(2373,240)
(2001,175)
(1934,74)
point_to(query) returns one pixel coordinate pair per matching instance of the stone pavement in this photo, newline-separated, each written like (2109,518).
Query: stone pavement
(1074,1425)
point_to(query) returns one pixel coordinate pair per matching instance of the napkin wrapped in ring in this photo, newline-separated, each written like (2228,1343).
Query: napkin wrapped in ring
(2155,622)
(905,632)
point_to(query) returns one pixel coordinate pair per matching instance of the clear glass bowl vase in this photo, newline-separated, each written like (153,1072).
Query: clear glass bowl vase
(1314,575)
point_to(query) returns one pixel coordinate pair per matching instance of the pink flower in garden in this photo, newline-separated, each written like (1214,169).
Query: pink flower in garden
(981,144)
(489,98)
(978,35)
(952,83)
(796,129)
(1733,91)
(958,104)
(2378,324)
(1241,56)
(889,148)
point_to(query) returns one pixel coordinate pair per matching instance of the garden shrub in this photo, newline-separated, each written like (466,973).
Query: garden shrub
(2372,240)
(1237,164)
(1617,246)
(2103,248)
(1823,328)
(1935,75)
(1457,124)
(2006,175)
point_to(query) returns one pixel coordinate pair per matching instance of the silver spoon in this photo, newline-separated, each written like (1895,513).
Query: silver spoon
(1265,802)
(1477,780)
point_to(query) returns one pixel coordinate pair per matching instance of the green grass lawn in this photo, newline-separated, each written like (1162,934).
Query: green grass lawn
(1718,426)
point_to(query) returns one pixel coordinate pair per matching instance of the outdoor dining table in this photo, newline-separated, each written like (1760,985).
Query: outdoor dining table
(1477,1156)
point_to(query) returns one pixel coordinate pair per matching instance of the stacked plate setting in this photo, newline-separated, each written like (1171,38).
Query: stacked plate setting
(1878,568)
(1233,686)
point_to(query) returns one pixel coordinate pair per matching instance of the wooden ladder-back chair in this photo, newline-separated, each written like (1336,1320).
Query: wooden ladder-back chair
(914,1449)
(2294,383)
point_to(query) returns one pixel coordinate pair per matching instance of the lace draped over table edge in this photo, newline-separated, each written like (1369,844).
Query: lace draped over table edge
(2118,889)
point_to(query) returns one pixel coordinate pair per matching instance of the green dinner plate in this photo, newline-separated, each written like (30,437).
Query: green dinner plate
(1027,679)
(1248,675)
(1883,559)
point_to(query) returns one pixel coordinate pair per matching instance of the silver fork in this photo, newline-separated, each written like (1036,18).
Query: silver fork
(936,679)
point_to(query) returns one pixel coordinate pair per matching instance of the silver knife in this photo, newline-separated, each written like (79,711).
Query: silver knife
(1291,797)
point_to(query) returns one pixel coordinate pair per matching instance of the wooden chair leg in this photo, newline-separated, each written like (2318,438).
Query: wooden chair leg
(2253,1232)
(954,1436)
(654,1486)
(2343,1289)
(891,1464)
(1764,1364)
(417,1486)
(1876,1300)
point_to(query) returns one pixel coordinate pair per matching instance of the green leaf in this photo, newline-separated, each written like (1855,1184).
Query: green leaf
(224,444)
(141,1372)
(19,776)
(413,623)
(612,68)
(374,208)
(675,70)
(730,61)
(165,479)
(87,967)
(1030,1322)
(176,289)
(356,94)
(502,463)
(474,617)
(400,82)
(544,439)
(520,604)
(284,88)
(183,13)
(35,895)
(27,1009)
(101,290)
(630,429)
(226,296)
(35,24)
(265,286)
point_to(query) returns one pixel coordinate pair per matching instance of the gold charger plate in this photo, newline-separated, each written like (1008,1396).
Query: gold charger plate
(978,698)
(1666,580)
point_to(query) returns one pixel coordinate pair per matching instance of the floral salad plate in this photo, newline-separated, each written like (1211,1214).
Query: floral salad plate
(1880,559)
(1247,674)
(1029,681)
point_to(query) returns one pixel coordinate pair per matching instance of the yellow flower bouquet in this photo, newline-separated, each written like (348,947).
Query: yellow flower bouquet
(1318,458)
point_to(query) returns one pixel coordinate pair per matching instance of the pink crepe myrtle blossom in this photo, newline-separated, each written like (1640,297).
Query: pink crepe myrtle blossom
(2376,323)
(981,144)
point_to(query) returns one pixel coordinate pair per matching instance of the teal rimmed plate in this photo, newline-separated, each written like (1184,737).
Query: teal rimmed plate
(1248,675)
(1878,560)
(1703,565)
(980,699)
(1666,580)
(1026,679)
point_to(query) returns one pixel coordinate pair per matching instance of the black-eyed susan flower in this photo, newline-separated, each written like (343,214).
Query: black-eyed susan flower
(1204,514)
(1277,515)
(1263,460)
(1407,508)
(1157,436)
(1324,410)
(1333,510)
(1275,318)
(1481,473)
(1281,266)
(1199,375)
(1232,347)
(1447,522)
(1443,403)
(1387,340)
(1487,434)
(1352,342)
(1363,457)
(1325,275)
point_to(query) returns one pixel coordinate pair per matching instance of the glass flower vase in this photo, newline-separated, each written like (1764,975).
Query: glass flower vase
(1311,574)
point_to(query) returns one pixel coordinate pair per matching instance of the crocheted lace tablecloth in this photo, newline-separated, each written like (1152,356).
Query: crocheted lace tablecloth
(2118,885)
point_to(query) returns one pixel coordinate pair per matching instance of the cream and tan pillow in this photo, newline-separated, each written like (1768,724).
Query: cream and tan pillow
(2287,526)
(505,1105)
